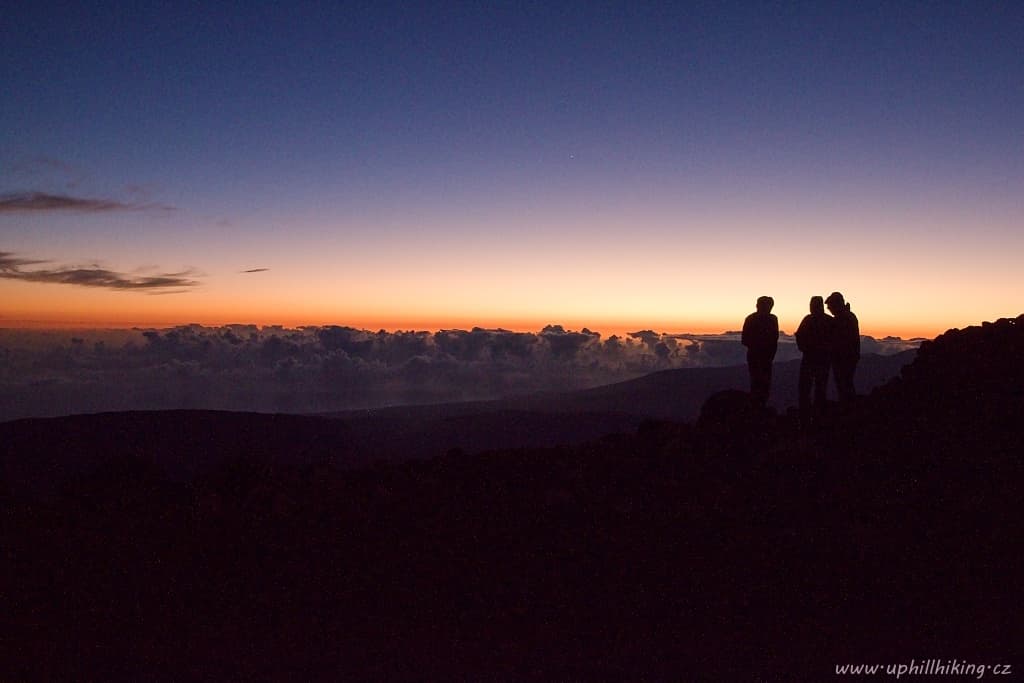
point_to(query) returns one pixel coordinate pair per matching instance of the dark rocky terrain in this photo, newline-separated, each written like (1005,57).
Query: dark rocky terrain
(735,547)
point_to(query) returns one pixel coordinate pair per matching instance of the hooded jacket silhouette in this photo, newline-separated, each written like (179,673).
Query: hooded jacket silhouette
(815,339)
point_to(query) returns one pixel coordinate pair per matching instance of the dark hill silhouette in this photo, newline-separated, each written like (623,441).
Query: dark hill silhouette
(184,443)
(733,548)
(679,394)
(666,395)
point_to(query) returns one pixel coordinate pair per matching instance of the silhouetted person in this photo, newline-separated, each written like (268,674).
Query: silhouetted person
(814,339)
(845,345)
(761,337)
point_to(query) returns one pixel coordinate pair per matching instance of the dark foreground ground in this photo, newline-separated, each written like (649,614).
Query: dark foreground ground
(736,548)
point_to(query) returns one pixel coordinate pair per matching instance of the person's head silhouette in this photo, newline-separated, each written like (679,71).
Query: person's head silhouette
(765,304)
(817,305)
(835,302)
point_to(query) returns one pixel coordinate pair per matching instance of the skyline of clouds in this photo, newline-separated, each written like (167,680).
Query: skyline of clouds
(332,368)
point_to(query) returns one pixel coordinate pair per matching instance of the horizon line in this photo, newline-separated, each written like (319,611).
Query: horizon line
(392,327)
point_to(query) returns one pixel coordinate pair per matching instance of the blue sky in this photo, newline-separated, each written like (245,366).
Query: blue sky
(394,150)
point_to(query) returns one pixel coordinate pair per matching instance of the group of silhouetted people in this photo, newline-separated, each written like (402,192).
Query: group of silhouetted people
(828,342)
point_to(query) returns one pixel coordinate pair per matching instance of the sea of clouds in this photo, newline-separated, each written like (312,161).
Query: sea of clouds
(322,369)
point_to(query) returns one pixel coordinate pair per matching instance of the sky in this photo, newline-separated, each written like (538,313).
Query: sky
(616,166)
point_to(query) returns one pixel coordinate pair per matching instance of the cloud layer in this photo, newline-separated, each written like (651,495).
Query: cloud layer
(42,201)
(314,369)
(14,268)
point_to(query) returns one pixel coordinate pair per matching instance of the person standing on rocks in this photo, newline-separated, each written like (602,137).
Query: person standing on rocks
(845,346)
(761,337)
(814,338)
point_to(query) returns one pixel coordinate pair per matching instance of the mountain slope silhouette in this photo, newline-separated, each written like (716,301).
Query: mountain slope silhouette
(185,442)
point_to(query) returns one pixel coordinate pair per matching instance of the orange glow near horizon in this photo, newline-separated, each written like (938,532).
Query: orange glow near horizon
(677,277)
(603,304)
(606,327)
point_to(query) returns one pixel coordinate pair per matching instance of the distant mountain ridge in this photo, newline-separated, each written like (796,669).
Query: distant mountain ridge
(675,394)
(185,442)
